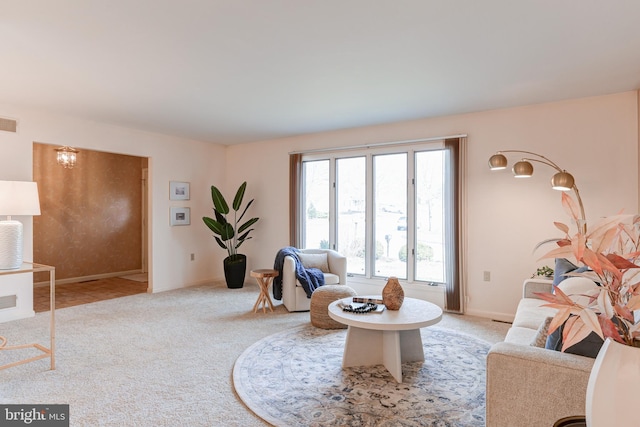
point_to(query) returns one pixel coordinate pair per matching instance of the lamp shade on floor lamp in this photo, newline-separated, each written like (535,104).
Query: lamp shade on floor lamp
(17,198)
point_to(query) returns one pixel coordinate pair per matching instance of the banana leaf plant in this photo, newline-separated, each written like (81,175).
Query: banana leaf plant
(229,233)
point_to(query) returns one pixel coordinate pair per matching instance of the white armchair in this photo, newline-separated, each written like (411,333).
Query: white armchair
(294,296)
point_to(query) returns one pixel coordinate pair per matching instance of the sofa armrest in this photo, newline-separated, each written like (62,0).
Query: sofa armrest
(534,387)
(536,285)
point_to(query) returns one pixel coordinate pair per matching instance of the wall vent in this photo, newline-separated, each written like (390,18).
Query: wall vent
(8,125)
(8,301)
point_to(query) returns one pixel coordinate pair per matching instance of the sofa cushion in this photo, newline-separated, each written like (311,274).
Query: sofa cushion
(331,279)
(531,313)
(318,261)
(520,336)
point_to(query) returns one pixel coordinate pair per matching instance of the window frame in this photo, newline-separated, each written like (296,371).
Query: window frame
(369,153)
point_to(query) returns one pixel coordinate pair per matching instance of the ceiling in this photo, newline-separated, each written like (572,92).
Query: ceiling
(232,71)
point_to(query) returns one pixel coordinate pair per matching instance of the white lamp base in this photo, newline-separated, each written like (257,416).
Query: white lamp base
(10,245)
(612,386)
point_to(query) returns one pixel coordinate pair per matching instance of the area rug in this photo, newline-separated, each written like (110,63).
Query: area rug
(295,378)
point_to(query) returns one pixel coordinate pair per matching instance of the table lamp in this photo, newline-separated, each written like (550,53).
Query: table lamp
(16,198)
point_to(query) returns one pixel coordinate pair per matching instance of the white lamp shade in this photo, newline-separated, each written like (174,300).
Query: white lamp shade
(16,198)
(19,198)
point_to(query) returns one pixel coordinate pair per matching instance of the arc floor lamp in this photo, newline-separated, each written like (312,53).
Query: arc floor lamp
(561,180)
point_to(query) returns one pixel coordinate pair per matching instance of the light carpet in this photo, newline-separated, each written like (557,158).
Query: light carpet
(162,359)
(295,378)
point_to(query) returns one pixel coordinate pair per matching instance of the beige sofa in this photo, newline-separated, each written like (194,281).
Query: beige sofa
(531,386)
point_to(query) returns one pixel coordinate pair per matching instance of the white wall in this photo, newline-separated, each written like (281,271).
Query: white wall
(596,139)
(171,158)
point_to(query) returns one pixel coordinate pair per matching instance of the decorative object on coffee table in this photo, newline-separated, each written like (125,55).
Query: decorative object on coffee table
(393,294)
(320,300)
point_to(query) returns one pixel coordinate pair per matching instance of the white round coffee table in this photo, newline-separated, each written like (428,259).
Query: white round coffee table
(389,338)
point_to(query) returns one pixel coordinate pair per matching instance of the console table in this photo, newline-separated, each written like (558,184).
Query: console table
(29,267)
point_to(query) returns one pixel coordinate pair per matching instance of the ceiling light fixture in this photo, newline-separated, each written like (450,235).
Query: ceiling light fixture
(67,156)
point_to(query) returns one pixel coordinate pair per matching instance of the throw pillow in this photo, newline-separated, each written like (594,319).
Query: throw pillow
(578,289)
(318,261)
(540,339)
(588,347)
(564,266)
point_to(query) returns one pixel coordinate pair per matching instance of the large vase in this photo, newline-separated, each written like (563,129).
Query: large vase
(613,386)
(235,268)
(393,294)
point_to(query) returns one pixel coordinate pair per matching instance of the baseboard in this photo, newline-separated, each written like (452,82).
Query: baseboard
(501,317)
(15,314)
(88,278)
(185,285)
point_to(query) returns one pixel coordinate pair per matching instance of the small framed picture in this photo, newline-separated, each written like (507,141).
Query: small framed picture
(178,190)
(180,216)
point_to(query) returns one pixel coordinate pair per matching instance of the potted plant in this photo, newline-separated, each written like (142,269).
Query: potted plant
(230,234)
(611,251)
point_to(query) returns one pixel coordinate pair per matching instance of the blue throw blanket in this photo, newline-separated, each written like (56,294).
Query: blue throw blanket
(310,278)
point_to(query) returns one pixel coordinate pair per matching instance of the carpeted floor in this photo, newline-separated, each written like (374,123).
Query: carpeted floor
(161,359)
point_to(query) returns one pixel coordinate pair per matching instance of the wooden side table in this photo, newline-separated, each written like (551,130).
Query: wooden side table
(30,267)
(264,277)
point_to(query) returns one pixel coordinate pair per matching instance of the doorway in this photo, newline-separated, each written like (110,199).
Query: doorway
(93,223)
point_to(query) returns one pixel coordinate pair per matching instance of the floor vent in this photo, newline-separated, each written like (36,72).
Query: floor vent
(8,301)
(8,125)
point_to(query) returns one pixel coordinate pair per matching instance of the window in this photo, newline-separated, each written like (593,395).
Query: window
(391,210)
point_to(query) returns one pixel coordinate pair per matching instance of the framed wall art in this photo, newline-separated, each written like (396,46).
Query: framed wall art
(180,216)
(178,190)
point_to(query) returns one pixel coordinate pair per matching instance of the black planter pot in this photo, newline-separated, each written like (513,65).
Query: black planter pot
(235,267)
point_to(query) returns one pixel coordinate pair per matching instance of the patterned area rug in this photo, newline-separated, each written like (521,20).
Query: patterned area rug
(295,378)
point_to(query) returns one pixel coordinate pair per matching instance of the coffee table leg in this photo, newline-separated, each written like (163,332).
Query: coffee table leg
(392,354)
(362,347)
(366,347)
(411,346)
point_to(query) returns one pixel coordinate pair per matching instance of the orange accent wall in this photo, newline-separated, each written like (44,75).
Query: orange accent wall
(91,215)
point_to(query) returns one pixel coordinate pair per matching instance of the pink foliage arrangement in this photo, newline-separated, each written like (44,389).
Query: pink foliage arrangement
(611,250)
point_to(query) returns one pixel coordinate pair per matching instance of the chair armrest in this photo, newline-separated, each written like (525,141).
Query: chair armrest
(536,285)
(338,265)
(289,271)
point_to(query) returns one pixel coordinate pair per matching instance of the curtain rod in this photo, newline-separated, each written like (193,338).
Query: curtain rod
(377,144)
